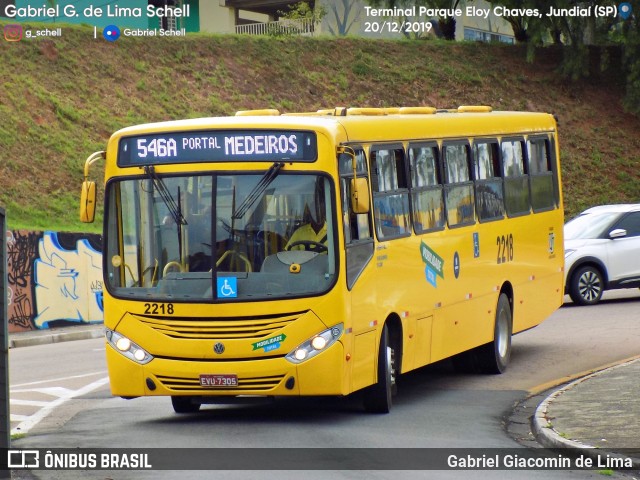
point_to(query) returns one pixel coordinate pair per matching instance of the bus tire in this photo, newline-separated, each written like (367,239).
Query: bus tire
(494,357)
(184,404)
(378,397)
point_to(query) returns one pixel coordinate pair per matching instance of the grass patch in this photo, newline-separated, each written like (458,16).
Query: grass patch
(67,96)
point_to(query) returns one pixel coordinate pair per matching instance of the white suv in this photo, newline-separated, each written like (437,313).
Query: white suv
(602,252)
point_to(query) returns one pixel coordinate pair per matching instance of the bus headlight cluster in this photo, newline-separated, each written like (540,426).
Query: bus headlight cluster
(127,348)
(315,344)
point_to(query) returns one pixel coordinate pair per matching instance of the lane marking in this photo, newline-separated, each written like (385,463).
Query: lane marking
(34,419)
(52,391)
(59,379)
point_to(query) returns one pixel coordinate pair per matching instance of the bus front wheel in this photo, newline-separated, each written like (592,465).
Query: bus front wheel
(378,397)
(184,405)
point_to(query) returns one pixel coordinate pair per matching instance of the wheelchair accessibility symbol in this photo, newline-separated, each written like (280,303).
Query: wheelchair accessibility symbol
(227,287)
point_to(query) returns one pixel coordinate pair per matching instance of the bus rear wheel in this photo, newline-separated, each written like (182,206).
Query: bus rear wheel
(494,357)
(184,404)
(378,397)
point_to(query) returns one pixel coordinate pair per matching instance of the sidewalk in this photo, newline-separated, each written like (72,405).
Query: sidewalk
(55,335)
(599,413)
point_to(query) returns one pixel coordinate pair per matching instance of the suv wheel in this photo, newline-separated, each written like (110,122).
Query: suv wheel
(586,286)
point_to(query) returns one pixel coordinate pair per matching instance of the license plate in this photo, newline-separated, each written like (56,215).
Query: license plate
(209,380)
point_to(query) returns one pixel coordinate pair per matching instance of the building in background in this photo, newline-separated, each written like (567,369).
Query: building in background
(264,17)
(342,17)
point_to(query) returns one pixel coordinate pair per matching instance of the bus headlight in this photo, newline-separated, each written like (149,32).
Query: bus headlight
(315,344)
(127,348)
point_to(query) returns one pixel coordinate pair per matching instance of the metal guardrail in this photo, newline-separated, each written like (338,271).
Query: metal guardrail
(281,27)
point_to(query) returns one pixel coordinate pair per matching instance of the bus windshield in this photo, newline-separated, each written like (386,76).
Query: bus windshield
(220,237)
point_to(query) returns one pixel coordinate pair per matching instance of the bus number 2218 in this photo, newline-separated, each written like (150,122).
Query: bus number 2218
(505,248)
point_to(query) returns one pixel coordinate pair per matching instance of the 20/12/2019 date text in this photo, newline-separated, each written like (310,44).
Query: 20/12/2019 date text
(397,27)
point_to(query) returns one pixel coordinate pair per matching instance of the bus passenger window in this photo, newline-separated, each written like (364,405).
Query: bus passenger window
(390,193)
(512,158)
(459,198)
(542,187)
(486,160)
(426,188)
(423,162)
(516,178)
(489,187)
(457,162)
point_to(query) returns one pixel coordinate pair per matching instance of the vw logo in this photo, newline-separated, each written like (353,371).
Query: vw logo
(218,348)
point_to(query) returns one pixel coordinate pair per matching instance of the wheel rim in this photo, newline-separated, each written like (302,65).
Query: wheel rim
(503,334)
(589,286)
(391,360)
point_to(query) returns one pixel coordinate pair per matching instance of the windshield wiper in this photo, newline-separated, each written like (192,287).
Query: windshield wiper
(257,191)
(172,206)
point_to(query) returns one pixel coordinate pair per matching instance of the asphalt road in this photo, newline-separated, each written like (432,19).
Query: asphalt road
(435,408)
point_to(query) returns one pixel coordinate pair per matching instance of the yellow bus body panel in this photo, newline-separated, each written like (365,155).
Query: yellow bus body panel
(437,321)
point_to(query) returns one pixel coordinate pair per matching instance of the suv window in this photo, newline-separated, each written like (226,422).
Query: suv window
(631,223)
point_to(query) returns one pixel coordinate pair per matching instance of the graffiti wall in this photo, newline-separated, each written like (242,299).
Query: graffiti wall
(54,279)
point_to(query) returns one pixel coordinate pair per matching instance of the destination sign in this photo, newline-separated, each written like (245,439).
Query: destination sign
(218,146)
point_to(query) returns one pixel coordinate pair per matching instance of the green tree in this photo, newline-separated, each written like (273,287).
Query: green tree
(299,14)
(303,11)
(629,33)
(447,24)
(577,33)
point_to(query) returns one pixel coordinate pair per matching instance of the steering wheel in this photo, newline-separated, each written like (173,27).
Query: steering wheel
(310,245)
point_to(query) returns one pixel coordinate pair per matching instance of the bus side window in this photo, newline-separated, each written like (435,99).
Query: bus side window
(426,187)
(541,174)
(489,184)
(358,234)
(516,177)
(390,192)
(459,185)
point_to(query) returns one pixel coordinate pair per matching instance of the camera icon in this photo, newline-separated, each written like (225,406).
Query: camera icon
(13,32)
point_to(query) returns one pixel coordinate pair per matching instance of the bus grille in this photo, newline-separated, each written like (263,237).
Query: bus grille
(220,328)
(180,384)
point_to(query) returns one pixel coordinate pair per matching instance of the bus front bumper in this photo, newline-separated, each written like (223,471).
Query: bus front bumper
(323,374)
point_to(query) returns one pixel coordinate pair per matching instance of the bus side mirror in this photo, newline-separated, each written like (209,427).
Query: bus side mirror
(88,202)
(359,195)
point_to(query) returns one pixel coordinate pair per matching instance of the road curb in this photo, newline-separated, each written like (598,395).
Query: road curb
(547,436)
(54,337)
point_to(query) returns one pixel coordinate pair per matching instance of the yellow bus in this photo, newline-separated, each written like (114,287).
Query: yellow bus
(324,253)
